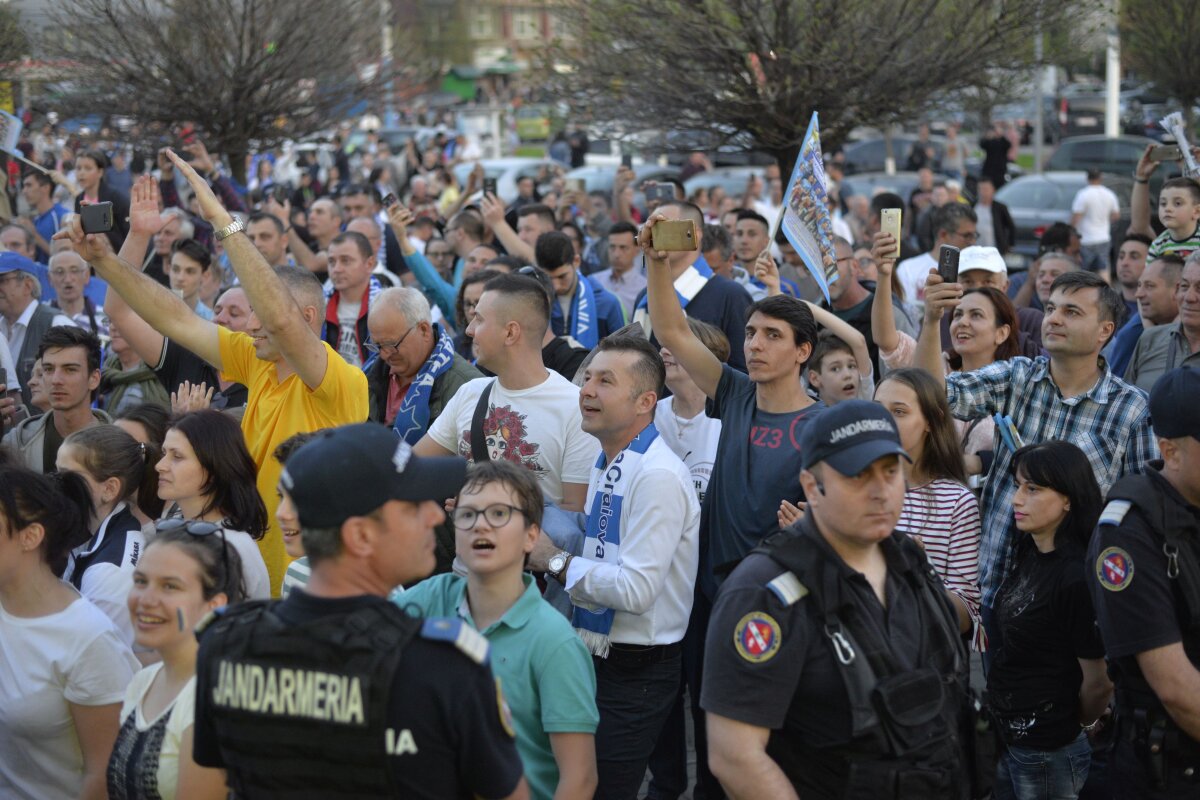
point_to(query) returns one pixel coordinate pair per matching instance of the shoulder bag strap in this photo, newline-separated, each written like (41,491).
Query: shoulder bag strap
(479,451)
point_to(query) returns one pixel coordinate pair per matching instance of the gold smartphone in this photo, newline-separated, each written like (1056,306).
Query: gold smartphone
(889,222)
(576,185)
(674,235)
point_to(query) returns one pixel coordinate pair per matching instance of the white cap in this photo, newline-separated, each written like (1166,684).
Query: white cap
(984,258)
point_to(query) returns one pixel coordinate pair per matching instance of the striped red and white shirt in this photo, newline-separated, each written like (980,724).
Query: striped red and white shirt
(945,514)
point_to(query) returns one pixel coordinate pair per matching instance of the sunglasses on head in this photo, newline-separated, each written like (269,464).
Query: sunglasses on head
(198,528)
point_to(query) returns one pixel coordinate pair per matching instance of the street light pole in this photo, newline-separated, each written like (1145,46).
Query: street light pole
(1113,74)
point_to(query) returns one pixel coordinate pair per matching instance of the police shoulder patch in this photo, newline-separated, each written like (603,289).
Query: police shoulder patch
(757,637)
(208,619)
(788,588)
(464,637)
(1114,513)
(1114,569)
(506,717)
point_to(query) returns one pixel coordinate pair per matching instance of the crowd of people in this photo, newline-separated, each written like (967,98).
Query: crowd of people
(377,485)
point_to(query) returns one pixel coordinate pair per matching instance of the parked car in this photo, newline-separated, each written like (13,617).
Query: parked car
(1117,155)
(873,183)
(732,179)
(506,171)
(1038,201)
(600,178)
(395,137)
(870,155)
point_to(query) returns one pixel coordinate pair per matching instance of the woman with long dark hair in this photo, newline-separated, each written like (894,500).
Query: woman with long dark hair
(89,173)
(938,506)
(207,474)
(1048,679)
(119,471)
(184,574)
(63,665)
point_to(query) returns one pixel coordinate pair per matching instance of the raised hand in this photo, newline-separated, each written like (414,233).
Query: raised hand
(493,210)
(145,215)
(201,160)
(940,297)
(885,250)
(210,207)
(1145,165)
(400,217)
(767,271)
(645,239)
(191,397)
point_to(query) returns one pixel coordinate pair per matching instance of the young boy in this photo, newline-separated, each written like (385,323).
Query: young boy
(1178,210)
(834,374)
(543,666)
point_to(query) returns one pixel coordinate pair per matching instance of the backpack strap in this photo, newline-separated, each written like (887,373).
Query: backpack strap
(479,451)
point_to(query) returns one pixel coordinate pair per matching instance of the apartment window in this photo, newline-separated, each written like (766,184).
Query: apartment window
(525,24)
(483,23)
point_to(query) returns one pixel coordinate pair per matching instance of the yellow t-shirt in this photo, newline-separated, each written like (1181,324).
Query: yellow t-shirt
(276,411)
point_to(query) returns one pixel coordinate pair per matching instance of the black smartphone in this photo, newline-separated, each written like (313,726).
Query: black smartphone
(627,161)
(948,263)
(661,191)
(97,218)
(390,200)
(280,193)
(489,186)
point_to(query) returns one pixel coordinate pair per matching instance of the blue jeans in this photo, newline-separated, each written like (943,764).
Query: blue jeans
(1095,257)
(1028,774)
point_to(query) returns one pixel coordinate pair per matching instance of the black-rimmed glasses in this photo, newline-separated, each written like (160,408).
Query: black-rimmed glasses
(378,347)
(496,515)
(198,528)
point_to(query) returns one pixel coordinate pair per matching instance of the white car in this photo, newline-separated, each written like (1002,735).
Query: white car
(507,171)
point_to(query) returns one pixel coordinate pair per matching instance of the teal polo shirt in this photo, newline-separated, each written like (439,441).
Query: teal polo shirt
(544,669)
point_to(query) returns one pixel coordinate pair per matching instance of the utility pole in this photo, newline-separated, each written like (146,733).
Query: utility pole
(390,118)
(1112,106)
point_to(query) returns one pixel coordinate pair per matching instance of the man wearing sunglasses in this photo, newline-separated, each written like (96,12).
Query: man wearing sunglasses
(335,692)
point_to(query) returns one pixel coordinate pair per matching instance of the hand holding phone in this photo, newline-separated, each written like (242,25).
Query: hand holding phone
(97,217)
(389,200)
(948,263)
(889,222)
(674,235)
(489,186)
(1166,152)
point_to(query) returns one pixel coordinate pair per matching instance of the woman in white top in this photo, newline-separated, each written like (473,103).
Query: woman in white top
(120,473)
(184,574)
(207,472)
(63,666)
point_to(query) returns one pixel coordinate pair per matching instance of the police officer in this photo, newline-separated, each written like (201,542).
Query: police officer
(1144,575)
(335,692)
(833,666)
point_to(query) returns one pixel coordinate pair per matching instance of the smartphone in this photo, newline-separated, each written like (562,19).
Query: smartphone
(627,160)
(489,186)
(390,200)
(1166,152)
(674,235)
(97,218)
(889,222)
(576,185)
(948,263)
(661,191)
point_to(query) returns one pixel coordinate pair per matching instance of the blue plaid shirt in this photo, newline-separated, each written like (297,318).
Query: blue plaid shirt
(1110,422)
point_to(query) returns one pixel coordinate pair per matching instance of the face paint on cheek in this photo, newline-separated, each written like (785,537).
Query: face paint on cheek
(179,615)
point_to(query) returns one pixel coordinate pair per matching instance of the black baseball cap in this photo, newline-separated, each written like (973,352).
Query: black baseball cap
(1171,399)
(849,436)
(353,470)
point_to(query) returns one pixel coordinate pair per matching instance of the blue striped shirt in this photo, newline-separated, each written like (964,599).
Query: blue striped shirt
(1110,422)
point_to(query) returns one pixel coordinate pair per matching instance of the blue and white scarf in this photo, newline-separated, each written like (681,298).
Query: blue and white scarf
(583,324)
(687,286)
(602,541)
(413,417)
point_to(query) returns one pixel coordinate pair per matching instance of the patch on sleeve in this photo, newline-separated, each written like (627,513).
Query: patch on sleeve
(208,619)
(506,717)
(1114,568)
(1115,512)
(464,637)
(757,637)
(788,588)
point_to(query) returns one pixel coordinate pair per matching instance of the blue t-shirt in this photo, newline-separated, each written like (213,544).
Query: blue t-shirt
(722,303)
(757,467)
(544,669)
(47,225)
(1120,349)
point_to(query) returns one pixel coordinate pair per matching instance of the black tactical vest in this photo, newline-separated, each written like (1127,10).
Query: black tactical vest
(300,711)
(906,724)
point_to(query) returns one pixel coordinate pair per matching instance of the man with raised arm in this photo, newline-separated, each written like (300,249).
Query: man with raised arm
(296,381)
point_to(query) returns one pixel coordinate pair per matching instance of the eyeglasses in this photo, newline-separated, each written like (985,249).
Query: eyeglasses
(62,273)
(198,528)
(379,347)
(442,254)
(496,515)
(969,236)
(8,276)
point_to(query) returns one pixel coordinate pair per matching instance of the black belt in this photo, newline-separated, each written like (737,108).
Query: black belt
(637,655)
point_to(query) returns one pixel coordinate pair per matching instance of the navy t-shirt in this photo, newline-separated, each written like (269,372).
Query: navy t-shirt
(757,467)
(722,303)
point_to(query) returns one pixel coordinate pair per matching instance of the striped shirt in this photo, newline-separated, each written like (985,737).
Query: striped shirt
(296,576)
(1166,244)
(1110,422)
(945,515)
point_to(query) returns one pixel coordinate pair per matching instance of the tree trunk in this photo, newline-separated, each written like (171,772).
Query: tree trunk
(237,165)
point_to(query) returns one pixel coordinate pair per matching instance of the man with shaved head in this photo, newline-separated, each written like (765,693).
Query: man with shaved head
(531,414)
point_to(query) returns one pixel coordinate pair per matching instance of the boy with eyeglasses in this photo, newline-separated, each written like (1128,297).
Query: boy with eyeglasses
(544,667)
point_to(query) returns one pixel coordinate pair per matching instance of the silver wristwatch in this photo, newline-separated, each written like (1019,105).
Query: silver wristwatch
(557,566)
(229,230)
